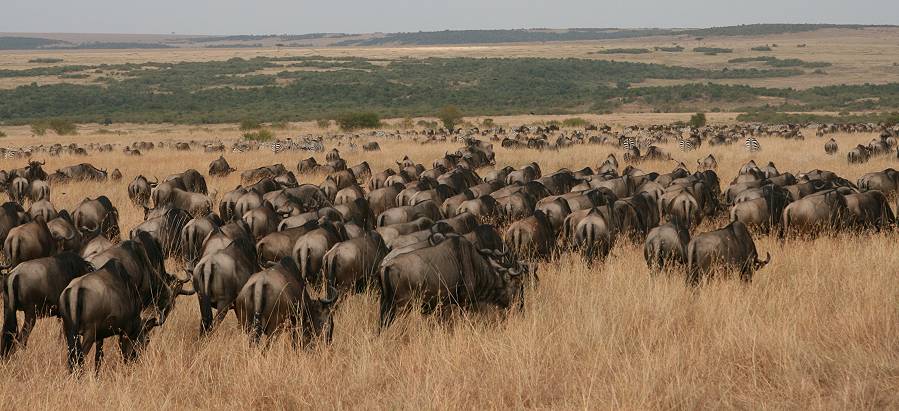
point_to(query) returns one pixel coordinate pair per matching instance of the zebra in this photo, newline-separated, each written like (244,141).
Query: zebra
(752,144)
(277,147)
(629,143)
(685,145)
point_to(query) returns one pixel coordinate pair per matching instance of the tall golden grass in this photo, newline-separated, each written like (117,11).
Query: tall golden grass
(817,328)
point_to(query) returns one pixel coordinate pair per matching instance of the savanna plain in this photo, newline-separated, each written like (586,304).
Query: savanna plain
(818,328)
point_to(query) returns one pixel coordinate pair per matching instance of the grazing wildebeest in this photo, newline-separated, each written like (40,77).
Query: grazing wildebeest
(452,272)
(666,245)
(111,301)
(277,297)
(34,287)
(728,248)
(139,190)
(97,216)
(220,167)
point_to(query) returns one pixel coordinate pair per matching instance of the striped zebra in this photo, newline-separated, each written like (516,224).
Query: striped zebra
(277,147)
(752,144)
(629,143)
(685,145)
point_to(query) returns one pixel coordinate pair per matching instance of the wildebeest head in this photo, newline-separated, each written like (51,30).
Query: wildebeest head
(33,170)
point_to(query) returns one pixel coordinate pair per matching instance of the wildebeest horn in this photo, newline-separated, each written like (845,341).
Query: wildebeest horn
(332,296)
(767,257)
(42,162)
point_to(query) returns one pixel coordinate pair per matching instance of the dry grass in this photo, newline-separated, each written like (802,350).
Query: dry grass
(818,328)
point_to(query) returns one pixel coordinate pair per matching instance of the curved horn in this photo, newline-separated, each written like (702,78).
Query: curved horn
(42,162)
(767,257)
(332,296)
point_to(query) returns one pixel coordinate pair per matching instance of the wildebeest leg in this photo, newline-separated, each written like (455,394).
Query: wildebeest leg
(10,330)
(221,311)
(205,312)
(87,342)
(98,357)
(27,326)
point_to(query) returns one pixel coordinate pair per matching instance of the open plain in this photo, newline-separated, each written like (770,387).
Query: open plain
(817,328)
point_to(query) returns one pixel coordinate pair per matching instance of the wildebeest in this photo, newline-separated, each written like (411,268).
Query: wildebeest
(531,237)
(277,297)
(28,241)
(34,287)
(309,249)
(353,264)
(594,236)
(97,216)
(39,190)
(139,190)
(111,301)
(218,278)
(831,147)
(452,272)
(220,167)
(826,210)
(728,248)
(666,245)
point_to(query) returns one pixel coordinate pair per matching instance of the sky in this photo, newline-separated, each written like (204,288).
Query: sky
(342,16)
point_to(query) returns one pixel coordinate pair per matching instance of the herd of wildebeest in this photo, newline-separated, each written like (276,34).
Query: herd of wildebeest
(456,232)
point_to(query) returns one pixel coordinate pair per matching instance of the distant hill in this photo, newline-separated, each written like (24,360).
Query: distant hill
(421,38)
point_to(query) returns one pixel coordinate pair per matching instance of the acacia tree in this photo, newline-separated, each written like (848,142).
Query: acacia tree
(450,116)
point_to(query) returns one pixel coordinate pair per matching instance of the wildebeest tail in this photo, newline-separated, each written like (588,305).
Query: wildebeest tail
(206,273)
(72,307)
(256,329)
(10,323)
(388,295)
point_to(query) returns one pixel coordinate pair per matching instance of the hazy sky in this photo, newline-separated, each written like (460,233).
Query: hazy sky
(302,16)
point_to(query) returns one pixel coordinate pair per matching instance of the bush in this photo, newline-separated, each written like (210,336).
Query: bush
(450,116)
(427,124)
(697,120)
(62,127)
(407,123)
(675,49)
(355,120)
(323,123)
(488,122)
(575,122)
(761,48)
(261,135)
(623,51)
(712,50)
(39,129)
(45,60)
(2,134)
(249,124)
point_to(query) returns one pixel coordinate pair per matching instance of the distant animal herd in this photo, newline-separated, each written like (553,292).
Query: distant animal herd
(453,233)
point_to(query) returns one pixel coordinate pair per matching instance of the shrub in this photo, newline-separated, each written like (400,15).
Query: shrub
(623,51)
(450,116)
(2,134)
(488,122)
(675,49)
(697,120)
(62,127)
(714,50)
(427,124)
(355,120)
(323,123)
(39,129)
(575,122)
(261,135)
(407,123)
(45,60)
(761,48)
(249,124)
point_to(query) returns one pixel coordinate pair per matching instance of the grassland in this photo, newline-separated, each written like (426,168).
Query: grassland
(816,329)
